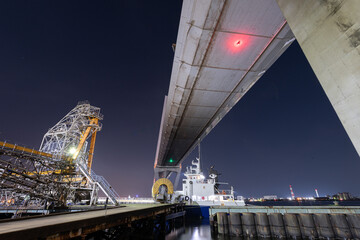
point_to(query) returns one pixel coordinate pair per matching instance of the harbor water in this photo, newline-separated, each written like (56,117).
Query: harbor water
(198,230)
(307,220)
(193,229)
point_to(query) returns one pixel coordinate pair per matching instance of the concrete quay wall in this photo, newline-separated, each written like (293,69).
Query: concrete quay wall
(287,222)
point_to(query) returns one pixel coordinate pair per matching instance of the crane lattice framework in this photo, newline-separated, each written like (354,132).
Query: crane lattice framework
(27,174)
(61,170)
(69,136)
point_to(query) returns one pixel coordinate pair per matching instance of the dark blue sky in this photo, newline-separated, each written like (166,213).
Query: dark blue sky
(117,55)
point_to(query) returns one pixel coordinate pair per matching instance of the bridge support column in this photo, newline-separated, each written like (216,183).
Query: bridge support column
(165,172)
(328,32)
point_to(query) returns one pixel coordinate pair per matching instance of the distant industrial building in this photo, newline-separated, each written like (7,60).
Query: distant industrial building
(343,196)
(270,197)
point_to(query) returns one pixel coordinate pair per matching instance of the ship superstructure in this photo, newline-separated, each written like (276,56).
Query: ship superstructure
(197,189)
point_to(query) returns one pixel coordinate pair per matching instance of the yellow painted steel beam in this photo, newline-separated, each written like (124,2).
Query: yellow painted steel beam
(84,137)
(49,172)
(94,121)
(10,146)
(91,151)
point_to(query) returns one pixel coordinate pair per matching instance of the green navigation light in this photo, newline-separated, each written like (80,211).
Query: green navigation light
(171,160)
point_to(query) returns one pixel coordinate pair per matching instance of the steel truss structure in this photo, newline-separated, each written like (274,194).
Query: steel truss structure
(65,138)
(26,176)
(60,172)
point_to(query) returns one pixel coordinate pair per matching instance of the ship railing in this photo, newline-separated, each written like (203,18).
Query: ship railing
(205,181)
(223,192)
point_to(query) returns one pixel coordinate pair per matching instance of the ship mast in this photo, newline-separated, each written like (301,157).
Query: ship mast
(199,155)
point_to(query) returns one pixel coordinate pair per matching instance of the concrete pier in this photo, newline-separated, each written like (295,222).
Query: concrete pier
(83,224)
(323,225)
(248,224)
(277,225)
(289,222)
(235,224)
(307,226)
(328,32)
(262,225)
(340,226)
(292,226)
(354,224)
(223,223)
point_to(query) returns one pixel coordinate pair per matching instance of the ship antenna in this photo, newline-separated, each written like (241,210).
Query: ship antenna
(199,156)
(199,150)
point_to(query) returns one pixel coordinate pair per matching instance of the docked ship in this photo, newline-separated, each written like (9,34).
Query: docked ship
(198,190)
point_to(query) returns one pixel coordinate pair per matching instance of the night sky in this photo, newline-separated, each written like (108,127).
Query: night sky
(118,55)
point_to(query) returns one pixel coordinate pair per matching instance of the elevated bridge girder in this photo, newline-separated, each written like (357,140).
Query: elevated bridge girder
(222,49)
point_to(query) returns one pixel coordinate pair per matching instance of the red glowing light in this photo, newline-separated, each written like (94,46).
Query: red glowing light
(237,43)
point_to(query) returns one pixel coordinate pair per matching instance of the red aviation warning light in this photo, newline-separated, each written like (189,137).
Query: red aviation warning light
(237,43)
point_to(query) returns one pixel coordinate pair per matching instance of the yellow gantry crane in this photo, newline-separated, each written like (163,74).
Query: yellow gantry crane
(93,126)
(63,165)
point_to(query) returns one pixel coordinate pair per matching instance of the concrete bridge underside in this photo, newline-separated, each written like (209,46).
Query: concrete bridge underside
(224,47)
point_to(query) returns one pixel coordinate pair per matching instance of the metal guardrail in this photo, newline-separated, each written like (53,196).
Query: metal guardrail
(102,183)
(223,192)
(105,184)
(106,187)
